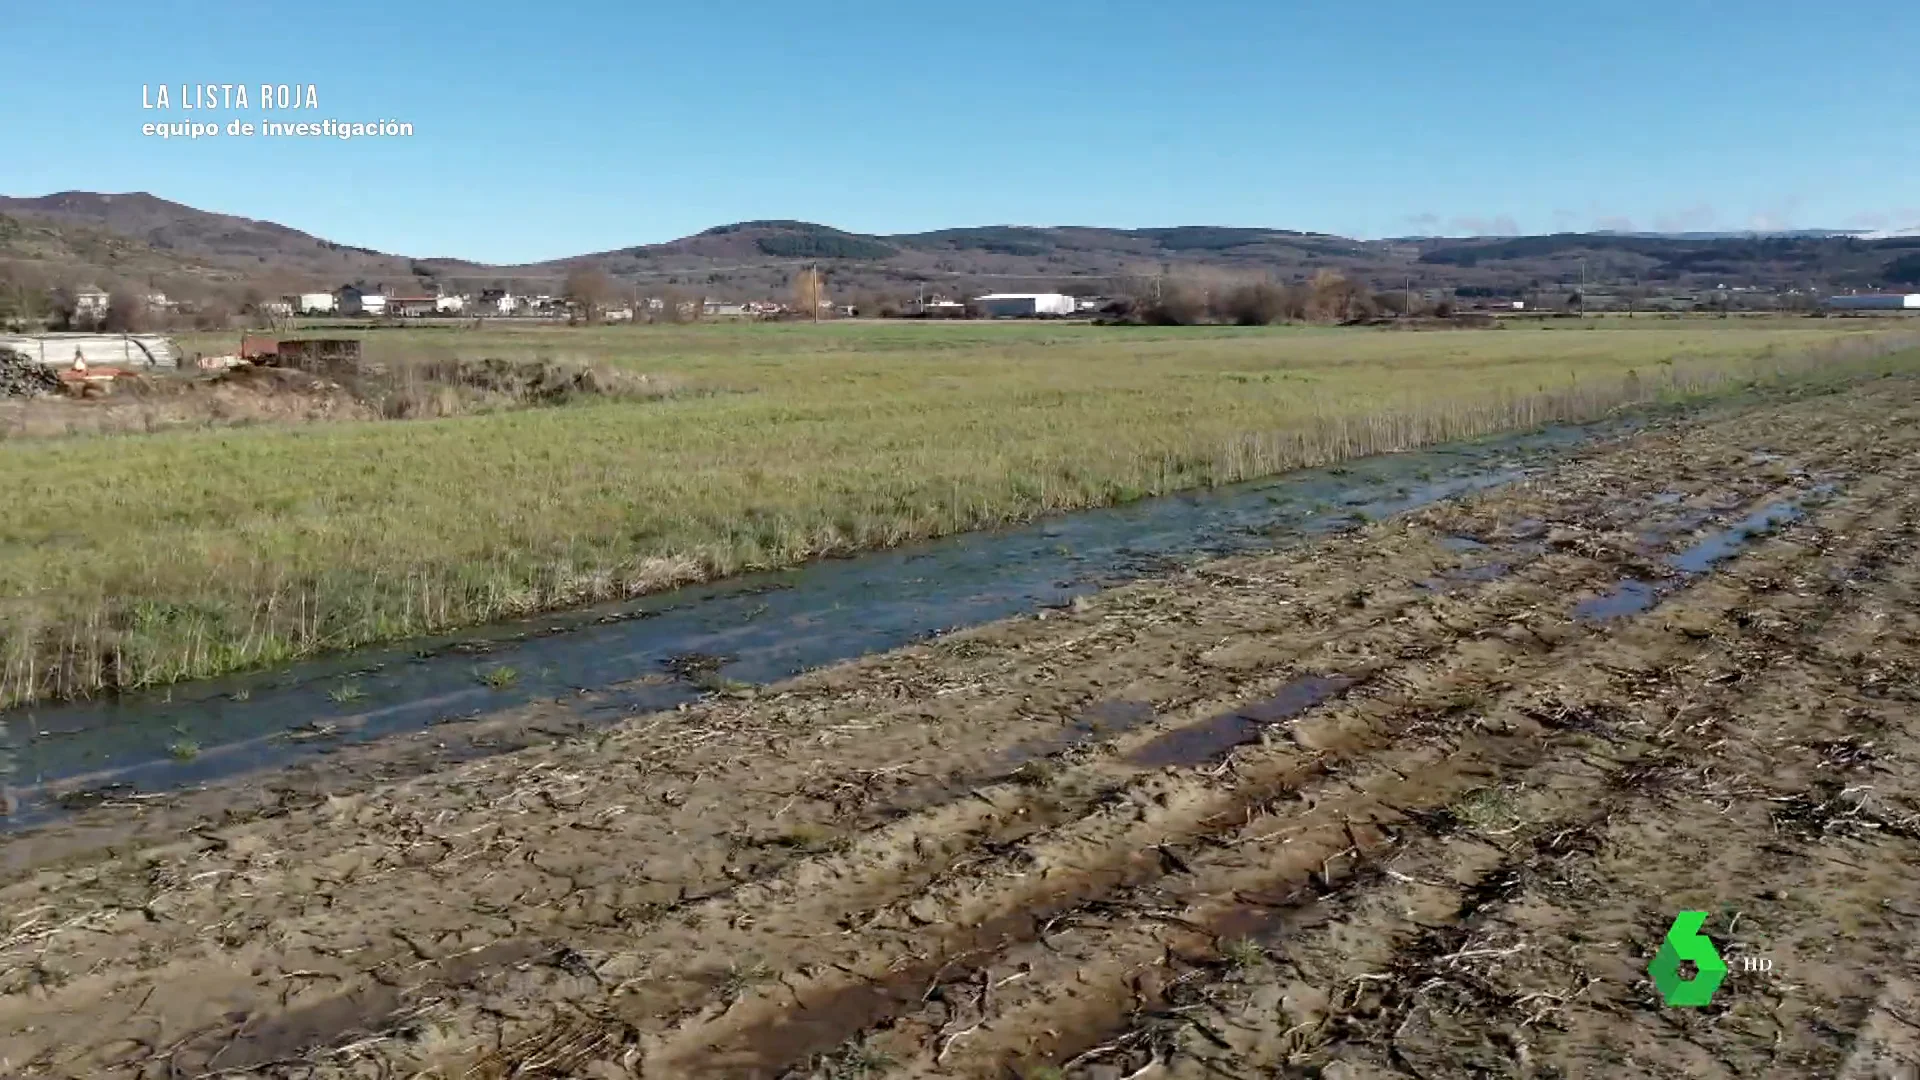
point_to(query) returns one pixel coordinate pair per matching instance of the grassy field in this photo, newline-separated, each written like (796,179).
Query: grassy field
(126,560)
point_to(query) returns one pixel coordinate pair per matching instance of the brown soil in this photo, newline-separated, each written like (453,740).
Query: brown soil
(1381,807)
(246,395)
(251,394)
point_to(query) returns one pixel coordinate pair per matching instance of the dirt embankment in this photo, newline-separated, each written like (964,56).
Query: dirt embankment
(407,389)
(1419,801)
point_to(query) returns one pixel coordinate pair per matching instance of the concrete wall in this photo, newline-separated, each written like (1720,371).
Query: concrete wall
(116,350)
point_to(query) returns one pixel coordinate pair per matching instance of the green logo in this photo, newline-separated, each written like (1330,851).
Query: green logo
(1686,942)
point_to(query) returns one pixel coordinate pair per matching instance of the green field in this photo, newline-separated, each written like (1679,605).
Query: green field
(132,559)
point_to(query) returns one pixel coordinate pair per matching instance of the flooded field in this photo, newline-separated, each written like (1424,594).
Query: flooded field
(665,650)
(1418,799)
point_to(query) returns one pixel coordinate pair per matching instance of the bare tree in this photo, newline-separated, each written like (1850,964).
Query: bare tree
(1338,298)
(672,305)
(591,290)
(127,312)
(809,292)
(1260,304)
(63,306)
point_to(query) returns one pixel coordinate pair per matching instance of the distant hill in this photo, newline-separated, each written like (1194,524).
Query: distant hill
(76,234)
(178,237)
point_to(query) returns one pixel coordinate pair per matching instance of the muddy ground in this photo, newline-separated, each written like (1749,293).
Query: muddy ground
(1417,801)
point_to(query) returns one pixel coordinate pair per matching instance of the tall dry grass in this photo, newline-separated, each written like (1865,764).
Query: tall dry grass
(125,562)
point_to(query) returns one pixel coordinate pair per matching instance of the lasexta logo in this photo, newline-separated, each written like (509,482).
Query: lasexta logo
(1686,942)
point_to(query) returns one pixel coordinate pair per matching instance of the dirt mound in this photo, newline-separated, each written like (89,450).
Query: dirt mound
(271,380)
(21,376)
(259,393)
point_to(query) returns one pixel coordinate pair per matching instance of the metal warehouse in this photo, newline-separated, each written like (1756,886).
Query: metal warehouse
(1888,302)
(1024,305)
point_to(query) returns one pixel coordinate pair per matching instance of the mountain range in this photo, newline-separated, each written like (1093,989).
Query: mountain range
(140,238)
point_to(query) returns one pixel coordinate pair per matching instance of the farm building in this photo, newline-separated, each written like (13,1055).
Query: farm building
(1023,305)
(450,305)
(1886,302)
(410,306)
(102,350)
(354,300)
(314,303)
(90,300)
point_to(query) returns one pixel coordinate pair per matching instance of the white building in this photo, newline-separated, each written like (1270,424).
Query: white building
(91,300)
(497,302)
(1890,302)
(449,305)
(353,300)
(314,303)
(1024,305)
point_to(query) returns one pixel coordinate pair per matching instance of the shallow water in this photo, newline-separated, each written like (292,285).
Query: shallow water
(1632,596)
(762,627)
(1198,743)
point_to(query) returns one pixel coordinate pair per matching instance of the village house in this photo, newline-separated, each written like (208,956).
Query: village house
(412,307)
(90,301)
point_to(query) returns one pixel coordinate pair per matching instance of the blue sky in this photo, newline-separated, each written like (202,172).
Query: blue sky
(550,129)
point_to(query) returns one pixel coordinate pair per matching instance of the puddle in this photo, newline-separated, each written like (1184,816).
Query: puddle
(1102,719)
(1528,529)
(1633,596)
(1199,743)
(1466,575)
(1461,543)
(1629,597)
(1109,717)
(621,659)
(1721,546)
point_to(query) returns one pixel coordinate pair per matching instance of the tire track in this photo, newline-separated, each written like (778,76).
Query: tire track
(1437,933)
(1211,902)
